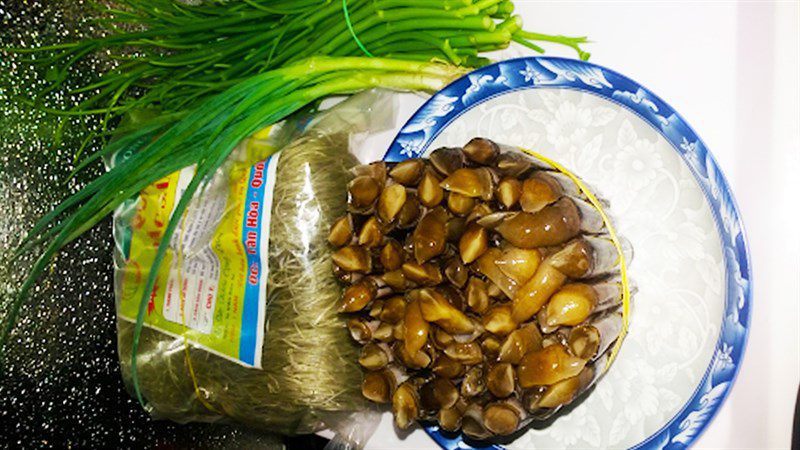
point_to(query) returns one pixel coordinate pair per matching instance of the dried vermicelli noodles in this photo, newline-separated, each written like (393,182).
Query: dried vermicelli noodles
(308,368)
(303,292)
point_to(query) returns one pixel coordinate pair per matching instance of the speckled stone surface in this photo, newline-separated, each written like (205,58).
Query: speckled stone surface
(60,386)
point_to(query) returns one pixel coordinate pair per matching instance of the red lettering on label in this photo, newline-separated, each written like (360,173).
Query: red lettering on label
(151,303)
(209,300)
(251,242)
(252,278)
(258,175)
(252,215)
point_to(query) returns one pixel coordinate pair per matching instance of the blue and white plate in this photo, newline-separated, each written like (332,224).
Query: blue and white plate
(668,198)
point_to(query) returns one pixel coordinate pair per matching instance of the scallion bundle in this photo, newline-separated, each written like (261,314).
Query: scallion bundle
(177,54)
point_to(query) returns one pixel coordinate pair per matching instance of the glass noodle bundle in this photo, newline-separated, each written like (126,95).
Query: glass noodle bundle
(309,369)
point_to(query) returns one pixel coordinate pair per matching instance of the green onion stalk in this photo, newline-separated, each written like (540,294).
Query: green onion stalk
(220,71)
(178,54)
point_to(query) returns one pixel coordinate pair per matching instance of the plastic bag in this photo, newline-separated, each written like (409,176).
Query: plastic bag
(242,324)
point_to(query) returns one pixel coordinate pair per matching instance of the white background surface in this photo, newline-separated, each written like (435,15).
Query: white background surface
(732,70)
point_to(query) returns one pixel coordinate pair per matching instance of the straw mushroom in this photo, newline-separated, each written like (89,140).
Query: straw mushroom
(479,284)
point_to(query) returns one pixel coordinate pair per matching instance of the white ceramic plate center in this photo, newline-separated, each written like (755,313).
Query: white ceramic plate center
(678,265)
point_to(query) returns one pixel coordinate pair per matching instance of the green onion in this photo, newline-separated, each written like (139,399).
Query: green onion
(193,52)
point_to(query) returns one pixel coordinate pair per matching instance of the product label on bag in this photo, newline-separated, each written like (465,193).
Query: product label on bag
(211,287)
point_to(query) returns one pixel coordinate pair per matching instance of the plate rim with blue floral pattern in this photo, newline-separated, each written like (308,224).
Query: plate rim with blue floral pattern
(554,72)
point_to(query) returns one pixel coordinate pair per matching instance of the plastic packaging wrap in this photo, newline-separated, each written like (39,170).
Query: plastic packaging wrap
(252,335)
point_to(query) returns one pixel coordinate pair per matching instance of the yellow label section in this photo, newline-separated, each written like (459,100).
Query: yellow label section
(211,286)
